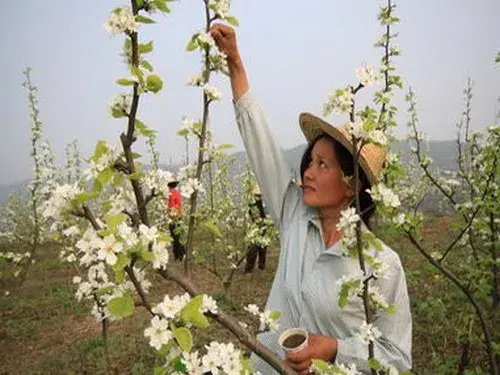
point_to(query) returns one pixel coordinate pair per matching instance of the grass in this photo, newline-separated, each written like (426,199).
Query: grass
(44,330)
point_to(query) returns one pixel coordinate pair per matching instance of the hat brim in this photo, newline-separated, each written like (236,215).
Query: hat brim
(313,126)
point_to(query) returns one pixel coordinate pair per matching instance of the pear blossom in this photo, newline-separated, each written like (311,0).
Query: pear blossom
(120,105)
(383,194)
(170,307)
(378,137)
(160,252)
(368,333)
(127,234)
(158,333)
(221,8)
(148,234)
(357,130)
(212,92)
(206,39)
(189,186)
(209,304)
(223,357)
(367,75)
(192,362)
(108,249)
(339,102)
(121,20)
(195,80)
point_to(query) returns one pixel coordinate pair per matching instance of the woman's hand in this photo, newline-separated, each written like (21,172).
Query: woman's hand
(225,38)
(319,347)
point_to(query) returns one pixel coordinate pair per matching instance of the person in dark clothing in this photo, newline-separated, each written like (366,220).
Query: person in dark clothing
(174,212)
(256,249)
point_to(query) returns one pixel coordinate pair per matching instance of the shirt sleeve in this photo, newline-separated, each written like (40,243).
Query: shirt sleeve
(394,345)
(273,173)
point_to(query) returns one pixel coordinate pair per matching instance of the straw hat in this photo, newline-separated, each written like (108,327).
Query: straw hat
(256,190)
(372,157)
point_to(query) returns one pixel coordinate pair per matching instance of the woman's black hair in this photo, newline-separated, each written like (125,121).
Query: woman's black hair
(346,162)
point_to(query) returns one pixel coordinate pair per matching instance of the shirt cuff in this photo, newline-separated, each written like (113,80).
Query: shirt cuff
(244,101)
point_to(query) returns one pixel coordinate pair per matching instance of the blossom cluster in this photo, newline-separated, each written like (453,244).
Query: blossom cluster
(121,20)
(220,358)
(268,319)
(159,332)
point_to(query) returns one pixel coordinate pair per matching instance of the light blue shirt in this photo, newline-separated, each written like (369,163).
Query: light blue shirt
(305,287)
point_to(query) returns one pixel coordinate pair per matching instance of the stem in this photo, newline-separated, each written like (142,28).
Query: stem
(201,152)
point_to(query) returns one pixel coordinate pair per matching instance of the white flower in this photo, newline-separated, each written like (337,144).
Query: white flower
(192,363)
(195,80)
(148,234)
(209,304)
(158,333)
(189,186)
(120,104)
(355,280)
(339,102)
(368,333)
(108,249)
(160,252)
(367,75)
(385,195)
(77,280)
(127,234)
(378,137)
(222,357)
(357,129)
(252,309)
(206,38)
(121,20)
(212,92)
(71,231)
(221,8)
(169,308)
(399,219)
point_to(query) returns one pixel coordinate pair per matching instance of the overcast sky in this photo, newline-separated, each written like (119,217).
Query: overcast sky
(296,53)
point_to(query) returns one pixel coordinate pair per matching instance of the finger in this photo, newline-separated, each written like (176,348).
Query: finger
(300,366)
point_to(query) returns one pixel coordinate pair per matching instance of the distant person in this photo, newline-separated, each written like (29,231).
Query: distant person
(256,250)
(174,213)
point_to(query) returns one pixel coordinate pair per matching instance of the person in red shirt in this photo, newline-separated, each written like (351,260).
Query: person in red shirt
(174,211)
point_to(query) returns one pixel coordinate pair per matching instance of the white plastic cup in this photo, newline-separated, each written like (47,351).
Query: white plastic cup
(289,333)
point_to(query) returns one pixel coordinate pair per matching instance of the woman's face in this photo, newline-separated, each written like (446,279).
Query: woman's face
(324,185)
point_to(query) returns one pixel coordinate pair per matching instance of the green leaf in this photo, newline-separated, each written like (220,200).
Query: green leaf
(125,81)
(183,132)
(112,221)
(147,255)
(192,45)
(83,197)
(146,47)
(162,6)
(191,313)
(146,65)
(184,338)
(225,146)
(117,113)
(119,276)
(233,21)
(121,306)
(374,364)
(213,228)
(154,83)
(121,262)
(275,315)
(160,370)
(143,19)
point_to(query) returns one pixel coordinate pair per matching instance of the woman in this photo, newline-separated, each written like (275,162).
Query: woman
(305,287)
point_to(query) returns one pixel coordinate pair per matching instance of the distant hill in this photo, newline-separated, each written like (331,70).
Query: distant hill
(442,152)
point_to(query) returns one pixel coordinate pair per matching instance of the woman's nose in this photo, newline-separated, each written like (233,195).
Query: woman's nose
(309,174)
